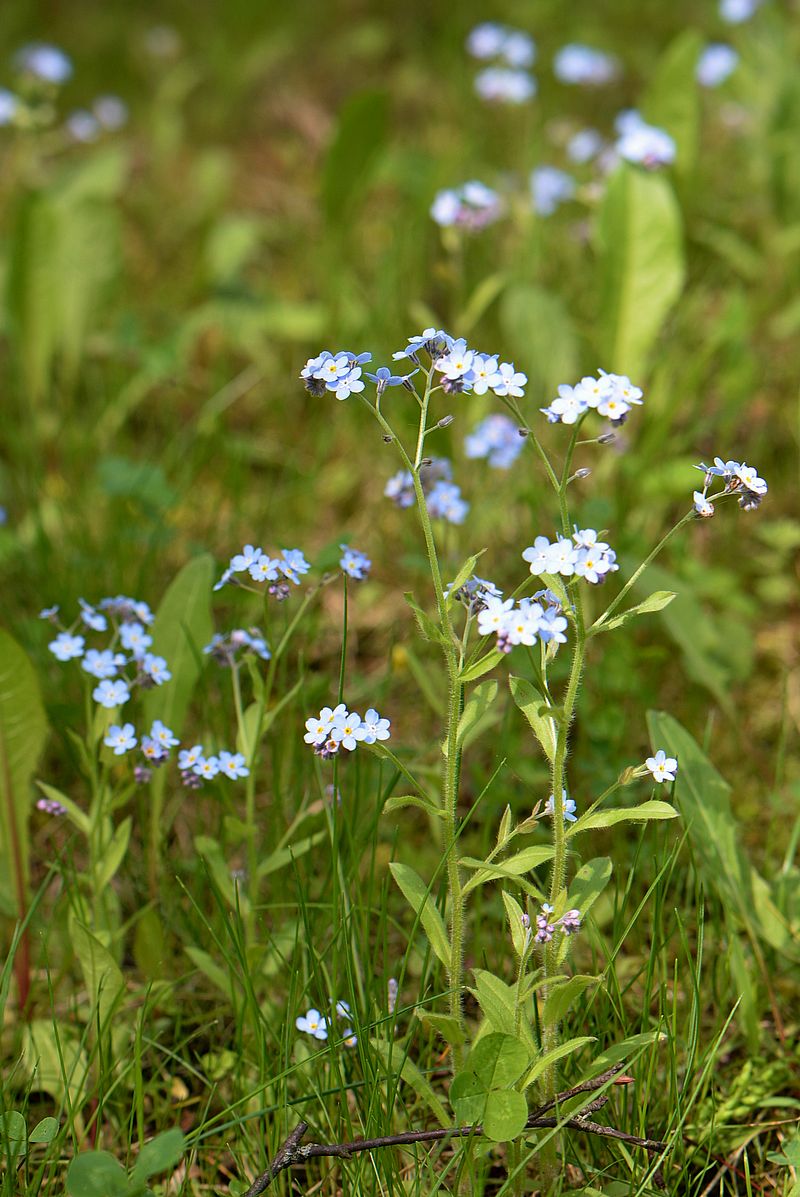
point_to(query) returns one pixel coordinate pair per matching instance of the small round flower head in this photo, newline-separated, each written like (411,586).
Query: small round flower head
(349,1038)
(505,85)
(343,1010)
(153,753)
(400,489)
(584,66)
(206,767)
(67,647)
(702,505)
(348,730)
(92,618)
(83,126)
(391,994)
(569,807)
(570,922)
(348,384)
(486,40)
(102,664)
(550,187)
(312,1023)
(50,613)
(643,144)
(44,62)
(232,764)
(716,64)
(9,107)
(317,730)
(120,739)
(127,610)
(373,727)
(50,806)
(538,556)
(474,206)
(135,639)
(749,479)
(265,569)
(508,380)
(493,618)
(545,930)
(293,565)
(354,563)
(518,49)
(584,145)
(384,378)
(241,563)
(154,670)
(474,593)
(553,627)
(141,774)
(163,735)
(188,757)
(736,12)
(497,439)
(662,767)
(568,406)
(111,694)
(111,112)
(434,341)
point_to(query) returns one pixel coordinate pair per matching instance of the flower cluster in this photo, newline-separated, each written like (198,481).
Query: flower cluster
(585,66)
(259,566)
(473,206)
(508,81)
(510,46)
(197,767)
(442,496)
(129,621)
(224,646)
(611,395)
(319,1027)
(336,728)
(584,556)
(354,563)
(737,478)
(569,923)
(498,439)
(339,373)
(464,369)
(474,593)
(716,64)
(531,619)
(643,144)
(662,767)
(155,748)
(42,68)
(550,188)
(108,114)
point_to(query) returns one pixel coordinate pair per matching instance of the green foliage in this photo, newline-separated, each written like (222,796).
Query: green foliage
(672,99)
(483,1093)
(22,734)
(419,898)
(99,1174)
(640,240)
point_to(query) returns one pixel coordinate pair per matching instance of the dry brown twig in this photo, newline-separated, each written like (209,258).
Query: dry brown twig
(293,1151)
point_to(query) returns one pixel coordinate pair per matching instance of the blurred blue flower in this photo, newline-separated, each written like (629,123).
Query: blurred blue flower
(584,65)
(716,64)
(550,187)
(44,61)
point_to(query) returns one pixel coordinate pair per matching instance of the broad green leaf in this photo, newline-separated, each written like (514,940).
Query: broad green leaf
(520,934)
(554,1055)
(96,1174)
(389,1053)
(704,798)
(33,292)
(588,883)
(533,705)
(481,666)
(76,816)
(54,1062)
(209,968)
(513,866)
(479,712)
(672,98)
(561,998)
(642,265)
(114,853)
(497,1000)
(654,809)
(416,893)
(541,334)
(482,1093)
(657,601)
(181,629)
(159,1155)
(22,733)
(101,974)
(44,1131)
(359,138)
(443,1024)
(13,1136)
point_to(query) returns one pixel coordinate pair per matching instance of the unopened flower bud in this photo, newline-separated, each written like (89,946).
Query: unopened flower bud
(607,438)
(579,474)
(445,421)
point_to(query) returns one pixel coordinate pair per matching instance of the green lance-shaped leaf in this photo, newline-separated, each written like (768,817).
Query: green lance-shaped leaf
(33,289)
(466,572)
(534,707)
(562,998)
(418,896)
(704,798)
(554,1055)
(22,733)
(359,138)
(654,809)
(513,866)
(181,629)
(640,239)
(672,99)
(656,601)
(101,974)
(483,1093)
(479,712)
(160,1154)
